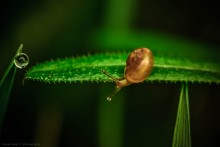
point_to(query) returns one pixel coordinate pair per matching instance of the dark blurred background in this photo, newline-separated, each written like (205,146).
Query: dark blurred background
(53,115)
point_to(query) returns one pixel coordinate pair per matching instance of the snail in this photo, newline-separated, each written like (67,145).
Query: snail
(139,65)
(21,60)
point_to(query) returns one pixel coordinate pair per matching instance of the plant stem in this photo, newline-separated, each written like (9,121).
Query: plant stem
(6,84)
(110,120)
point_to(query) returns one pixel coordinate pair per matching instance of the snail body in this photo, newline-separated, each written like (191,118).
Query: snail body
(139,65)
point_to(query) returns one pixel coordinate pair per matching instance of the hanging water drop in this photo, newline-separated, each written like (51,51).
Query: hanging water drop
(21,60)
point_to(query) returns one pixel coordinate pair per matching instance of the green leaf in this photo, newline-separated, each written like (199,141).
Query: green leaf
(88,68)
(182,135)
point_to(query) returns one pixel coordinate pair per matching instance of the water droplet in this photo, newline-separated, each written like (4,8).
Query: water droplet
(109,99)
(21,60)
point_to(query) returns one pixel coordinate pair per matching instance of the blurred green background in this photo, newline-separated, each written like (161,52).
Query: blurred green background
(78,114)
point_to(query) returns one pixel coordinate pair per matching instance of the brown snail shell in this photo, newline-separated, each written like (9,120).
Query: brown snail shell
(139,65)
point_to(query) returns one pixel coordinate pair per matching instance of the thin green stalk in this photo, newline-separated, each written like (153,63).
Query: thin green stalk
(110,121)
(182,134)
(6,84)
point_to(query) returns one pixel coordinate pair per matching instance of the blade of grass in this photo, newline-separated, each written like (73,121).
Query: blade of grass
(88,68)
(6,84)
(182,134)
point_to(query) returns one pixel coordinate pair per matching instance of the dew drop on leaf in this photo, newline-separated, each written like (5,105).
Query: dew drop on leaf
(109,99)
(21,60)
